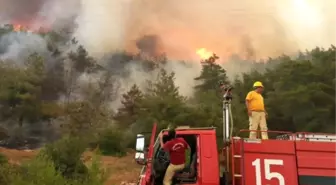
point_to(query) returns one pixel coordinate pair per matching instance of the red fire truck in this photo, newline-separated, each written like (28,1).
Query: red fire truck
(288,159)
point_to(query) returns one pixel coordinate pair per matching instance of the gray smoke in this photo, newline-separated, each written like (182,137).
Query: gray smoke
(22,10)
(249,29)
(18,46)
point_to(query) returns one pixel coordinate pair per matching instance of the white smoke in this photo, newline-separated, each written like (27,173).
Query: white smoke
(270,28)
(185,73)
(273,27)
(258,29)
(101,25)
(18,46)
(57,13)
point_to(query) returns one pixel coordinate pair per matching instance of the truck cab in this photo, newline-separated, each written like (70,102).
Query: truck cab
(201,168)
(289,159)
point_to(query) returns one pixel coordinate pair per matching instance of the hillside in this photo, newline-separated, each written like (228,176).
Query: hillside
(123,169)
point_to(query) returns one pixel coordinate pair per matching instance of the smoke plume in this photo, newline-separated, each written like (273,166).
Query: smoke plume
(20,10)
(270,27)
(247,28)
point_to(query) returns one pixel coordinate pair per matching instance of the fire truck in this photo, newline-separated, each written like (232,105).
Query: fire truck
(287,159)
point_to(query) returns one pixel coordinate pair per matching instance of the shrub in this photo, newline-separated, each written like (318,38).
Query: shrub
(57,164)
(96,174)
(4,169)
(111,142)
(42,170)
(130,139)
(66,156)
(7,173)
(3,159)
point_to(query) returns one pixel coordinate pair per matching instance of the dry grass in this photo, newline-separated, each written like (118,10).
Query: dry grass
(122,169)
(18,156)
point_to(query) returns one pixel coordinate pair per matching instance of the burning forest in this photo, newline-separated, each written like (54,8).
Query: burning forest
(92,74)
(84,42)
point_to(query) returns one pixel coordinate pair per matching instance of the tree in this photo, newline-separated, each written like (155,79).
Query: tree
(208,93)
(164,86)
(21,92)
(128,113)
(211,76)
(81,61)
(299,93)
(162,103)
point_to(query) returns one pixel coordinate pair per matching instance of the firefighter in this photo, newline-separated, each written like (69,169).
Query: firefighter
(256,111)
(177,151)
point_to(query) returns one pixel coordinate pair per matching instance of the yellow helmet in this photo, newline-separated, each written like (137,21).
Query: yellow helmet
(258,84)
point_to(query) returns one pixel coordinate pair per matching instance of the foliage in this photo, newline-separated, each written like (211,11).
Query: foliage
(128,113)
(21,90)
(8,173)
(38,171)
(211,76)
(74,90)
(208,94)
(162,103)
(310,77)
(66,156)
(111,142)
(42,170)
(3,159)
(298,95)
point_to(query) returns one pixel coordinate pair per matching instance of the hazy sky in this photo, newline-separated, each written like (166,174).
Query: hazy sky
(258,28)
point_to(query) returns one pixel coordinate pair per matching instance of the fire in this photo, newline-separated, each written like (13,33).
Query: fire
(204,54)
(17,27)
(34,26)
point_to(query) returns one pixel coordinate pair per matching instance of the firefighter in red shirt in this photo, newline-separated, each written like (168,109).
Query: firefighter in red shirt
(177,150)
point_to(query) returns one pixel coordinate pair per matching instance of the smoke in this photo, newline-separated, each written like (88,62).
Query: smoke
(32,15)
(247,28)
(59,13)
(184,76)
(251,29)
(101,25)
(18,46)
(22,10)
(270,28)
(150,45)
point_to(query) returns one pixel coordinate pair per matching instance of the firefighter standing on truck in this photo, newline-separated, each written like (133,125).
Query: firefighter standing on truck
(256,111)
(177,148)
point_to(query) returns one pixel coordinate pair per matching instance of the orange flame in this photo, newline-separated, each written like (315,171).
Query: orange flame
(17,27)
(204,54)
(30,26)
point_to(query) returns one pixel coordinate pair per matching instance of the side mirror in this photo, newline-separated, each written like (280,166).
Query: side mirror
(140,149)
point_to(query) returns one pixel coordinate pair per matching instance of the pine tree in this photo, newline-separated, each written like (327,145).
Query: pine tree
(20,95)
(162,103)
(164,86)
(81,60)
(128,113)
(208,92)
(212,75)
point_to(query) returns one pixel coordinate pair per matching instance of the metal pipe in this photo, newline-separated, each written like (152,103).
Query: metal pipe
(224,122)
(227,122)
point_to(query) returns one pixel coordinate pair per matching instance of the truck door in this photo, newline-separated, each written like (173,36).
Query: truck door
(147,177)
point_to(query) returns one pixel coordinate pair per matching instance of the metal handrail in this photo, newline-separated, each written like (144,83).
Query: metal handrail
(296,135)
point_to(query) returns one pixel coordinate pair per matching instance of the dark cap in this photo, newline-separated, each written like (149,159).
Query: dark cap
(171,133)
